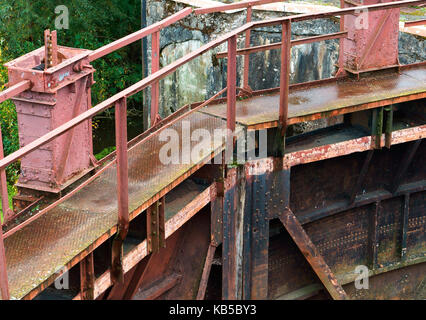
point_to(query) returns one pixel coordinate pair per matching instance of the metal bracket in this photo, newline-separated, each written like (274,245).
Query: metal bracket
(155,226)
(377,126)
(389,126)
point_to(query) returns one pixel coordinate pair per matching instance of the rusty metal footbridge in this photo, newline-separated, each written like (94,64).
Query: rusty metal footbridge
(316,205)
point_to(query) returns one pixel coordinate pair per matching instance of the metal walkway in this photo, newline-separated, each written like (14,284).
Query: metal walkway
(43,247)
(79,223)
(317,100)
(40,249)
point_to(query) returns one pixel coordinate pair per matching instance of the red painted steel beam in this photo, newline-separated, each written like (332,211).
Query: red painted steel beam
(138,35)
(122,190)
(3,184)
(15,90)
(4,282)
(277,45)
(415,23)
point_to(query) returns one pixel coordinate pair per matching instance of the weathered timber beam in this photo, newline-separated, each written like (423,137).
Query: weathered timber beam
(411,150)
(206,272)
(361,176)
(312,255)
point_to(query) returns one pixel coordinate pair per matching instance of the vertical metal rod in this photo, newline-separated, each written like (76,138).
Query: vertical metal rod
(285,74)
(4,283)
(3,184)
(341,71)
(122,188)
(155,66)
(231,82)
(144,65)
(247,56)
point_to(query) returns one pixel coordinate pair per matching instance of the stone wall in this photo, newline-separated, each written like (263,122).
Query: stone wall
(205,75)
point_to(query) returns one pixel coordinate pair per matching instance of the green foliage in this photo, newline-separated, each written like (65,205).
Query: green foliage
(104,153)
(92,24)
(11,191)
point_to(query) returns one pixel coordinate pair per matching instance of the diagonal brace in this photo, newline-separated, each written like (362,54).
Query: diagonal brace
(312,255)
(361,176)
(408,157)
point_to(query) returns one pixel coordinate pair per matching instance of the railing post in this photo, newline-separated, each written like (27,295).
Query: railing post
(122,190)
(231,98)
(231,82)
(155,66)
(285,74)
(247,56)
(4,283)
(341,71)
(3,183)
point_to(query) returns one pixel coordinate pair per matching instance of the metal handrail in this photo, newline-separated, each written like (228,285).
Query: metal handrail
(139,86)
(119,100)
